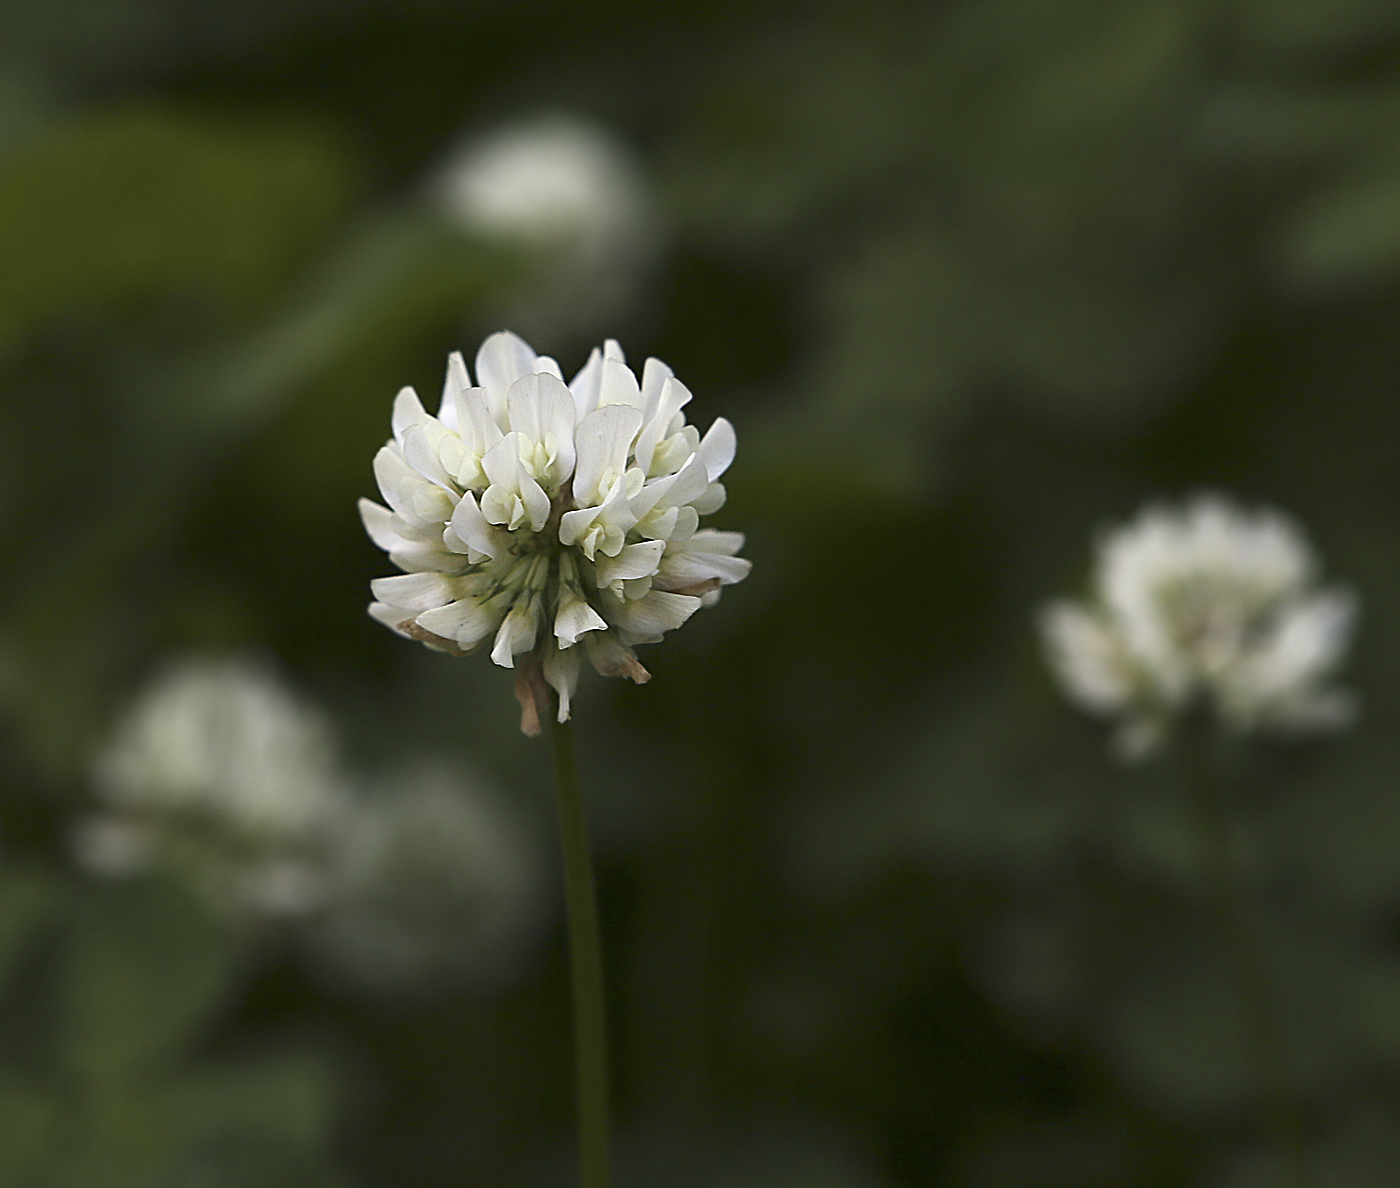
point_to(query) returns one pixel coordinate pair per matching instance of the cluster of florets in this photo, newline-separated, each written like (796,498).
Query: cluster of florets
(541,516)
(220,771)
(223,776)
(1207,603)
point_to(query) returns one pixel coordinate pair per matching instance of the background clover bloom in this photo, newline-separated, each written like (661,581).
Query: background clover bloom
(546,519)
(219,769)
(432,883)
(570,200)
(1204,603)
(558,182)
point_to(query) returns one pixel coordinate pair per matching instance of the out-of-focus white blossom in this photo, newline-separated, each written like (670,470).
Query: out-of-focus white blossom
(431,883)
(555,182)
(226,739)
(218,769)
(544,520)
(1205,603)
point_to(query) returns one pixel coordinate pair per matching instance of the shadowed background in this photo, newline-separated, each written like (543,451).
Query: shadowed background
(972,280)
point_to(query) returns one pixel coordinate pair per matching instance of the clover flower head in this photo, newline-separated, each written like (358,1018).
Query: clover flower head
(545,519)
(431,882)
(225,738)
(557,182)
(1204,603)
(220,770)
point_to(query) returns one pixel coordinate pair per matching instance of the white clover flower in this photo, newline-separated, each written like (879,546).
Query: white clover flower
(1208,603)
(220,770)
(225,739)
(556,182)
(431,881)
(549,519)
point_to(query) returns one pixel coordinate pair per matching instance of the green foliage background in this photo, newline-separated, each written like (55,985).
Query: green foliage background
(972,278)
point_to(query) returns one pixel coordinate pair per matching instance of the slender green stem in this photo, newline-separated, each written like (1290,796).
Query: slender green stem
(585,968)
(1258,999)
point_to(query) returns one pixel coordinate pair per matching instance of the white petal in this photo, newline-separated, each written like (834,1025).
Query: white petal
(456,383)
(514,497)
(467,621)
(415,529)
(691,568)
(408,410)
(687,520)
(1312,636)
(576,617)
(475,425)
(1087,657)
(619,385)
(634,561)
(472,529)
(717,448)
(392,617)
(654,376)
(516,634)
(561,670)
(714,540)
(397,480)
(1276,680)
(672,397)
(420,452)
(655,614)
(711,501)
(503,358)
(612,519)
(688,485)
(378,521)
(540,407)
(604,440)
(430,503)
(587,384)
(420,556)
(414,591)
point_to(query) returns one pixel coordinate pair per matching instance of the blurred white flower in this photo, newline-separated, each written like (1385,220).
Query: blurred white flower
(555,182)
(541,517)
(226,739)
(431,883)
(573,198)
(218,768)
(1206,603)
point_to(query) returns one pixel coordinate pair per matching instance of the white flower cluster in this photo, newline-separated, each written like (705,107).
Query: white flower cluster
(1207,603)
(432,883)
(219,768)
(555,181)
(229,739)
(222,776)
(542,516)
(572,200)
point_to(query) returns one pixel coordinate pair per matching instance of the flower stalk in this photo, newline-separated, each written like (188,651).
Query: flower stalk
(1260,1009)
(585,969)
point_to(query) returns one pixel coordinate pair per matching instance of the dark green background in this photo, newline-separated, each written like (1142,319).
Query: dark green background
(971,279)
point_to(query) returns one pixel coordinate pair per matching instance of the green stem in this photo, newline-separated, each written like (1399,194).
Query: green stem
(585,968)
(1258,999)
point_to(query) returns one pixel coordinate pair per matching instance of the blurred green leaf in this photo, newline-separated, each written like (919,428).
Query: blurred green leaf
(28,901)
(141,201)
(144,969)
(28,1122)
(283,1098)
(1345,235)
